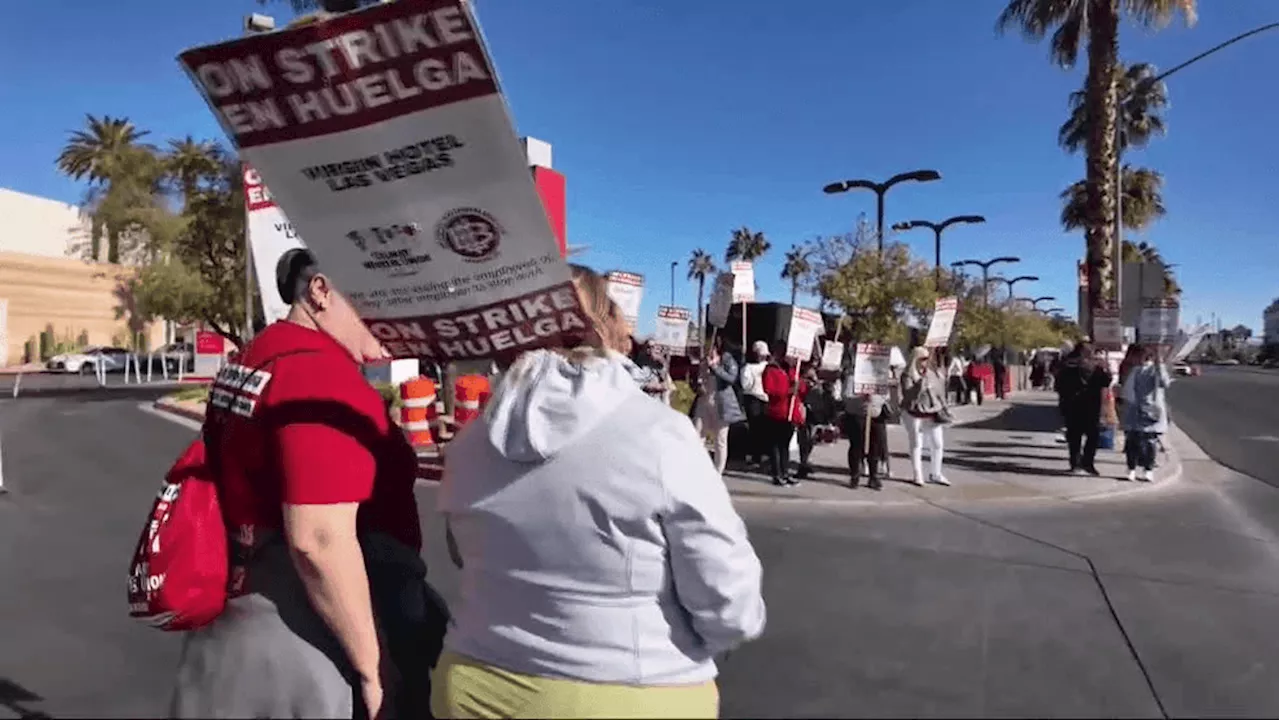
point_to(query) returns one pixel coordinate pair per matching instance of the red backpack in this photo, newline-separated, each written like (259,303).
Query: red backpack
(178,577)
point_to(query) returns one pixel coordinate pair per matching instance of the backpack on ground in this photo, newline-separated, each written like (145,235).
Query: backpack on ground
(178,577)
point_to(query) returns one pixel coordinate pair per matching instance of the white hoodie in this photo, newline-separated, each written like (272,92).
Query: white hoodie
(598,541)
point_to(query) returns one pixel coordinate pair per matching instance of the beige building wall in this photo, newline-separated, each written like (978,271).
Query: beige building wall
(41,285)
(70,295)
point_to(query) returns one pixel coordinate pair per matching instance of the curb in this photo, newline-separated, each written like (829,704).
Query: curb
(165,405)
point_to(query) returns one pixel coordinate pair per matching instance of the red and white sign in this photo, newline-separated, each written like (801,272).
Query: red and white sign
(832,355)
(872,374)
(944,318)
(744,281)
(806,326)
(383,134)
(1158,322)
(210,349)
(271,235)
(672,331)
(625,290)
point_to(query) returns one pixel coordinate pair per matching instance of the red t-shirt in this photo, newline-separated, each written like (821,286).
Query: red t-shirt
(294,421)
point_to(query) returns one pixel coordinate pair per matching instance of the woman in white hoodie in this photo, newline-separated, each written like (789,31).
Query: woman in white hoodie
(603,565)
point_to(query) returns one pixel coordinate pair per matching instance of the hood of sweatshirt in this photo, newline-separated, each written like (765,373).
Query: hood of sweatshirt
(545,402)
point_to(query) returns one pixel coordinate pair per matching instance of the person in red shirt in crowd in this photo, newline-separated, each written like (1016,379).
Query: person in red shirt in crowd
(784,412)
(316,487)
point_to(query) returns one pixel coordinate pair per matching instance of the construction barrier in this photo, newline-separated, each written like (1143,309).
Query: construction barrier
(470,394)
(418,413)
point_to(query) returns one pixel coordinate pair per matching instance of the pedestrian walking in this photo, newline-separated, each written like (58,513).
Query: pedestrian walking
(1080,383)
(783,413)
(754,401)
(327,601)
(999,371)
(865,444)
(603,566)
(1146,414)
(925,414)
(819,410)
(956,384)
(717,408)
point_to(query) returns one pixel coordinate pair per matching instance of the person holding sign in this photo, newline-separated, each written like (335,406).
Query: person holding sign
(783,413)
(717,407)
(926,413)
(869,444)
(603,565)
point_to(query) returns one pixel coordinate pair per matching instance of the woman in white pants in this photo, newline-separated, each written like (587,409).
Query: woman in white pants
(717,407)
(924,414)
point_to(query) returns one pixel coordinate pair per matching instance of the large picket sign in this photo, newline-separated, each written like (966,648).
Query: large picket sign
(384,137)
(721,300)
(806,326)
(672,331)
(872,371)
(271,235)
(944,318)
(744,281)
(626,290)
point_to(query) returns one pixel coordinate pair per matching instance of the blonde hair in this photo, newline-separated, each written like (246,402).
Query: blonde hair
(608,326)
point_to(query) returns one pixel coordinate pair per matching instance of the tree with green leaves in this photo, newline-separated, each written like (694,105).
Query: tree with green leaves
(875,290)
(1093,25)
(795,269)
(103,154)
(746,245)
(701,267)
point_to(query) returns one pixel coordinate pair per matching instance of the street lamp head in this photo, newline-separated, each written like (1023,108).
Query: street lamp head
(1044,298)
(967,219)
(916,175)
(1028,278)
(900,226)
(1005,258)
(847,185)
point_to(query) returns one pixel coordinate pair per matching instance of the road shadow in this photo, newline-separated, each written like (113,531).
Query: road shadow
(1007,467)
(1021,418)
(1003,453)
(93,394)
(14,697)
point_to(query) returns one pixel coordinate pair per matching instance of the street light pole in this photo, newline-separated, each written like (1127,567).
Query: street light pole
(986,270)
(673,282)
(1010,282)
(937,229)
(880,189)
(1118,179)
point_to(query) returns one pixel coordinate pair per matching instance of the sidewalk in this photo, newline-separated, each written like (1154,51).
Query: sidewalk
(1005,450)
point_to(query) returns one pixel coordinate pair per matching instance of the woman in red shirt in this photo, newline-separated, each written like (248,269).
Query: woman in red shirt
(316,486)
(784,412)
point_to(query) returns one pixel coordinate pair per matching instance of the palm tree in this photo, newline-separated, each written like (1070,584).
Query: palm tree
(1141,116)
(701,267)
(1097,23)
(188,162)
(1143,202)
(795,268)
(95,154)
(746,245)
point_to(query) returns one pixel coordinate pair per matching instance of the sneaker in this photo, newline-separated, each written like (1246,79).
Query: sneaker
(780,482)
(917,482)
(1147,475)
(940,480)
(874,485)
(1093,471)
(1133,475)
(793,481)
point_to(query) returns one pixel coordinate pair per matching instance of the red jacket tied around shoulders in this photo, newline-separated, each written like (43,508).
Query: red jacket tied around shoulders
(777,385)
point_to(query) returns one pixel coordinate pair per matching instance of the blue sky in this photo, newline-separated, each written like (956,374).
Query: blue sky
(677,121)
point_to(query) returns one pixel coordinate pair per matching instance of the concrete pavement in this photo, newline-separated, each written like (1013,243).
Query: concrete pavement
(1162,603)
(1232,413)
(1009,450)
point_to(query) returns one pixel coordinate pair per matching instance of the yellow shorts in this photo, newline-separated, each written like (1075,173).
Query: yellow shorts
(466,688)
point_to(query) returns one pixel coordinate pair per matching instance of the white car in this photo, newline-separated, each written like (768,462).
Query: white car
(85,361)
(1182,369)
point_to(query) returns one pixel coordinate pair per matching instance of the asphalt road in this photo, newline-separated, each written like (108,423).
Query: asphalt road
(1160,605)
(1231,412)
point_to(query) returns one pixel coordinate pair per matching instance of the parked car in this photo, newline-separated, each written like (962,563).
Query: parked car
(1228,362)
(85,361)
(175,353)
(1182,369)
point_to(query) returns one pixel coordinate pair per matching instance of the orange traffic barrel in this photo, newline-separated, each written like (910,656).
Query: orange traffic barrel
(418,417)
(471,392)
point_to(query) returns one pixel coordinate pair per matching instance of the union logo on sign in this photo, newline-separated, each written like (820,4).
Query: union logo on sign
(472,233)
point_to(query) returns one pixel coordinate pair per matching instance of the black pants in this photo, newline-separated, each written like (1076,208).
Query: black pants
(959,389)
(757,428)
(804,438)
(1079,431)
(974,385)
(855,428)
(1140,450)
(779,432)
(999,378)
